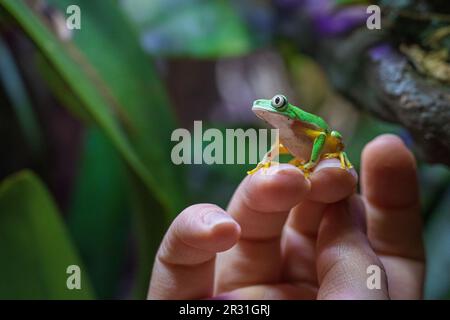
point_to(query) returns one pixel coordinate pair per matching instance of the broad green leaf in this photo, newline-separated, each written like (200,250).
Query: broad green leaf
(61,90)
(148,234)
(435,180)
(18,96)
(133,106)
(130,81)
(113,80)
(198,28)
(99,217)
(35,250)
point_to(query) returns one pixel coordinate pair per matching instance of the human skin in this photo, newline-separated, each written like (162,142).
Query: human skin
(287,237)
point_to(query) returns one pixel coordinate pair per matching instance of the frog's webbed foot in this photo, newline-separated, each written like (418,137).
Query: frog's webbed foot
(334,155)
(343,158)
(307,168)
(302,165)
(262,165)
(267,162)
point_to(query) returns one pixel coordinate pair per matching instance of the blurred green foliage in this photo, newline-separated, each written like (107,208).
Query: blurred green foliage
(125,189)
(16,92)
(100,212)
(35,248)
(195,28)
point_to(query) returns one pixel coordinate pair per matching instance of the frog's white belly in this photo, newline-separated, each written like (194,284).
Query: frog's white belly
(299,145)
(296,141)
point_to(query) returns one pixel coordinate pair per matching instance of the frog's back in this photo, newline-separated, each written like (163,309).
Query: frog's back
(310,120)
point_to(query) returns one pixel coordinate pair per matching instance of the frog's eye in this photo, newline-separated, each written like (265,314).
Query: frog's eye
(279,101)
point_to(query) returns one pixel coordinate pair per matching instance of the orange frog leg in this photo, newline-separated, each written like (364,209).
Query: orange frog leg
(266,162)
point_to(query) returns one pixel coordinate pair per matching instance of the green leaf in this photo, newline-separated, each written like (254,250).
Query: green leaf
(18,96)
(99,217)
(148,234)
(138,92)
(195,28)
(61,90)
(135,117)
(35,250)
(118,88)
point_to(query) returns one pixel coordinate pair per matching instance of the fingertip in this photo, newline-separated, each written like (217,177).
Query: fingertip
(389,176)
(390,149)
(207,227)
(278,172)
(224,232)
(185,262)
(216,217)
(389,138)
(278,188)
(330,183)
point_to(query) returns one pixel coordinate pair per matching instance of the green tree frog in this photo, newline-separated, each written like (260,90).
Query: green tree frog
(303,135)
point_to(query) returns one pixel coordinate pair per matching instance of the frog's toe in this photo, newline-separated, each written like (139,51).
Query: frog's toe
(348,164)
(306,168)
(345,162)
(332,155)
(306,172)
(309,166)
(342,159)
(264,166)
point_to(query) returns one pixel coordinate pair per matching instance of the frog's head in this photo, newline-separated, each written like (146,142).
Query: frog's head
(275,110)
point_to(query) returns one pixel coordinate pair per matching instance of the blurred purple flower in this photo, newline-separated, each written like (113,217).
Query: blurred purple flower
(335,23)
(380,52)
(327,18)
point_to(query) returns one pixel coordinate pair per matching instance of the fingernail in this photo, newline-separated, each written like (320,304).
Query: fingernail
(334,163)
(331,163)
(216,217)
(283,169)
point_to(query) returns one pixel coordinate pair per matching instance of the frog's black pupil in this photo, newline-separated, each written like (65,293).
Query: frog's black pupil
(277,100)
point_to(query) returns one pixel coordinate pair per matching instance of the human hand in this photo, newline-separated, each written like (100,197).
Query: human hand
(286,237)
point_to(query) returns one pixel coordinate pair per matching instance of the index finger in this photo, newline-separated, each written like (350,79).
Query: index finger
(260,205)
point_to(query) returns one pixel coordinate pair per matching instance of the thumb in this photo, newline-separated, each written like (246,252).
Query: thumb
(347,267)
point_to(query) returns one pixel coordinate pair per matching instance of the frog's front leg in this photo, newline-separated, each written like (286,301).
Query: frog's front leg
(317,148)
(266,162)
(346,160)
